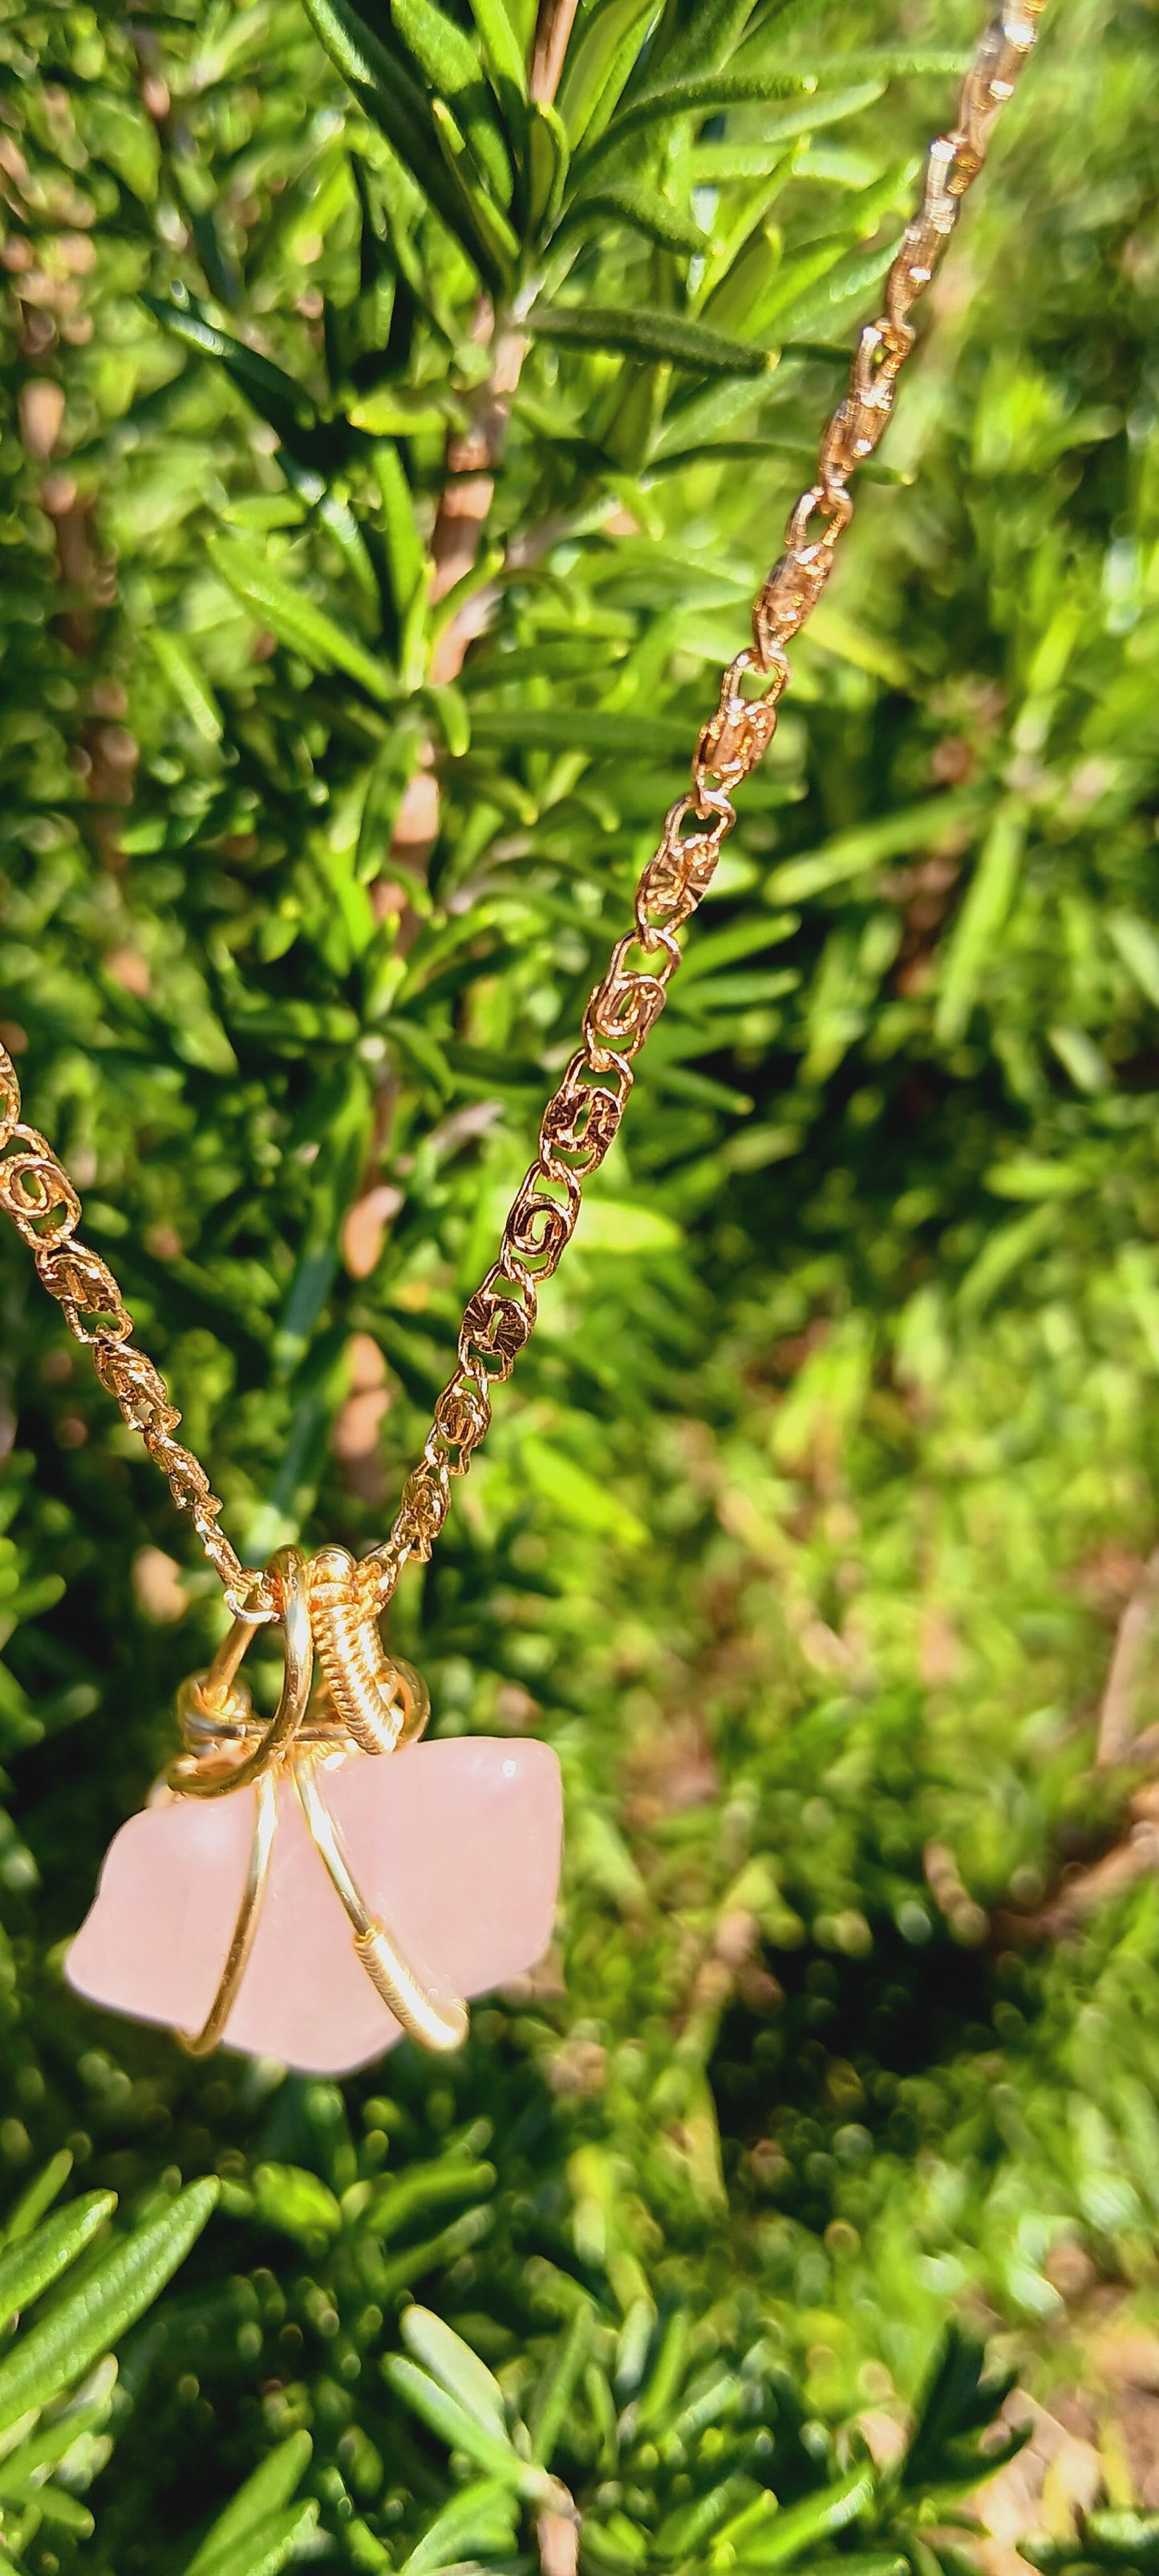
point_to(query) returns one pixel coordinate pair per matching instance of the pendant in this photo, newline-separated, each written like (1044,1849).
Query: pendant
(316,1886)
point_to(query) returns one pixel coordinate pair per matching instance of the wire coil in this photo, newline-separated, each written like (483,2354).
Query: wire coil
(380,1702)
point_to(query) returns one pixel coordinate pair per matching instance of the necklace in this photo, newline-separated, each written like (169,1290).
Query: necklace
(216,1909)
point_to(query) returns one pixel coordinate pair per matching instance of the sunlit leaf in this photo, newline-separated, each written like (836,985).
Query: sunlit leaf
(648,336)
(645,209)
(448,63)
(244,2538)
(481,2518)
(84,2322)
(598,62)
(501,49)
(295,619)
(461,2429)
(548,157)
(698,94)
(28,2266)
(456,2368)
(396,104)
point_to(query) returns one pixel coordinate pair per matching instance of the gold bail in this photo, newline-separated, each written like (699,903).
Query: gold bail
(374,1705)
(381,1702)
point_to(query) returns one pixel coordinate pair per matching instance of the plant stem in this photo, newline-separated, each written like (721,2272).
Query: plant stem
(553,28)
(1118,1722)
(472,461)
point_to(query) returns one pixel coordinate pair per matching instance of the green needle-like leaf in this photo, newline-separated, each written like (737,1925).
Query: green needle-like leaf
(460,2428)
(578,729)
(449,65)
(557,2387)
(38,2197)
(54,2354)
(981,920)
(28,2266)
(480,2520)
(709,36)
(274,394)
(23,2471)
(776,2542)
(598,64)
(295,620)
(644,208)
(501,48)
(181,671)
(456,2368)
(698,94)
(651,336)
(403,544)
(489,228)
(395,103)
(265,2547)
(548,162)
(245,2523)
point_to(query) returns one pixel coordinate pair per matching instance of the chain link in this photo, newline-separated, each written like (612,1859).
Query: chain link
(44,1207)
(582,1116)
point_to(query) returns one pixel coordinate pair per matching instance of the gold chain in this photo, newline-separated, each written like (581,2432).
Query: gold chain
(581,1119)
(44,1206)
(583,1115)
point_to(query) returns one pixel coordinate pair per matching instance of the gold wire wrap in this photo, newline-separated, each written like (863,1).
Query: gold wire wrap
(367,1704)
(381,1703)
(218,1708)
(438,2024)
(237,1956)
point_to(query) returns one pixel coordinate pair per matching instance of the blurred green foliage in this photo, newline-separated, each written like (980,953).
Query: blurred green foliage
(805,1525)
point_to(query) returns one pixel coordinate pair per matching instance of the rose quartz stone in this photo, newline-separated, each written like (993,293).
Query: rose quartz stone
(455,1845)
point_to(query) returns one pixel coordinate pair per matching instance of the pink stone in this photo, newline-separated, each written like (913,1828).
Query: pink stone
(455,1845)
